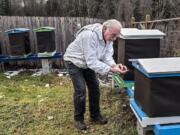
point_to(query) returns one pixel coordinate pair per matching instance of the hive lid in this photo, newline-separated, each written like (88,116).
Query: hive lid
(134,33)
(44,29)
(157,67)
(17,30)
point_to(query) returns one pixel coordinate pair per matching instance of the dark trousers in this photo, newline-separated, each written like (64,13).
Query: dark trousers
(80,78)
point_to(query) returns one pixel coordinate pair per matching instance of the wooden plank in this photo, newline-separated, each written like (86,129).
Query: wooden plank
(42,21)
(6,21)
(70,30)
(63,34)
(60,34)
(38,22)
(31,34)
(35,25)
(45,21)
(67,32)
(2,35)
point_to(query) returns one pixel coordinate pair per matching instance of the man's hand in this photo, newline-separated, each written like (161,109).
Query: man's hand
(123,68)
(119,68)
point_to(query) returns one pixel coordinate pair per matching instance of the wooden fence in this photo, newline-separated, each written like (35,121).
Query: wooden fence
(170,45)
(65,28)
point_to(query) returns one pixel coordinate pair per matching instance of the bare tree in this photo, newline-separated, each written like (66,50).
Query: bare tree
(5,7)
(120,9)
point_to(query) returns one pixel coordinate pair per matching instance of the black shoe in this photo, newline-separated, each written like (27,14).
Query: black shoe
(99,120)
(80,125)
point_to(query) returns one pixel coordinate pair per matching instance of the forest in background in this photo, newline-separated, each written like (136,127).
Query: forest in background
(122,10)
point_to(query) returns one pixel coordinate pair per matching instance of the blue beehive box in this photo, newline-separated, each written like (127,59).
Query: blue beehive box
(19,41)
(157,86)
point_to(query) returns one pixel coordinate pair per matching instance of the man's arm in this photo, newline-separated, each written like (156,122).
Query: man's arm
(90,54)
(108,57)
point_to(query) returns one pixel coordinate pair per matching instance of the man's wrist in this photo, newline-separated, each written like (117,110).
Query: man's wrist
(113,65)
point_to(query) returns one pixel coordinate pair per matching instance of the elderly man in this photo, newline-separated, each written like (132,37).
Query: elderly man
(90,53)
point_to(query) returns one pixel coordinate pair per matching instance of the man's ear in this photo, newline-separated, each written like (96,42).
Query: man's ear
(104,28)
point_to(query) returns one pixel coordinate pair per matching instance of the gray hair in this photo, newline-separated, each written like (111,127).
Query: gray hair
(111,22)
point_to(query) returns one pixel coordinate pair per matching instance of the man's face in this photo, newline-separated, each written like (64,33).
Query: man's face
(111,34)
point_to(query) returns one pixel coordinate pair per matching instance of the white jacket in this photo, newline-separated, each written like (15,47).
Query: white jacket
(89,50)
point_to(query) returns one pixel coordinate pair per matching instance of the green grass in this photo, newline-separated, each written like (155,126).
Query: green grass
(27,107)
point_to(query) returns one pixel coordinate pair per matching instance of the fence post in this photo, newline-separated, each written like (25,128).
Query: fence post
(132,21)
(146,21)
